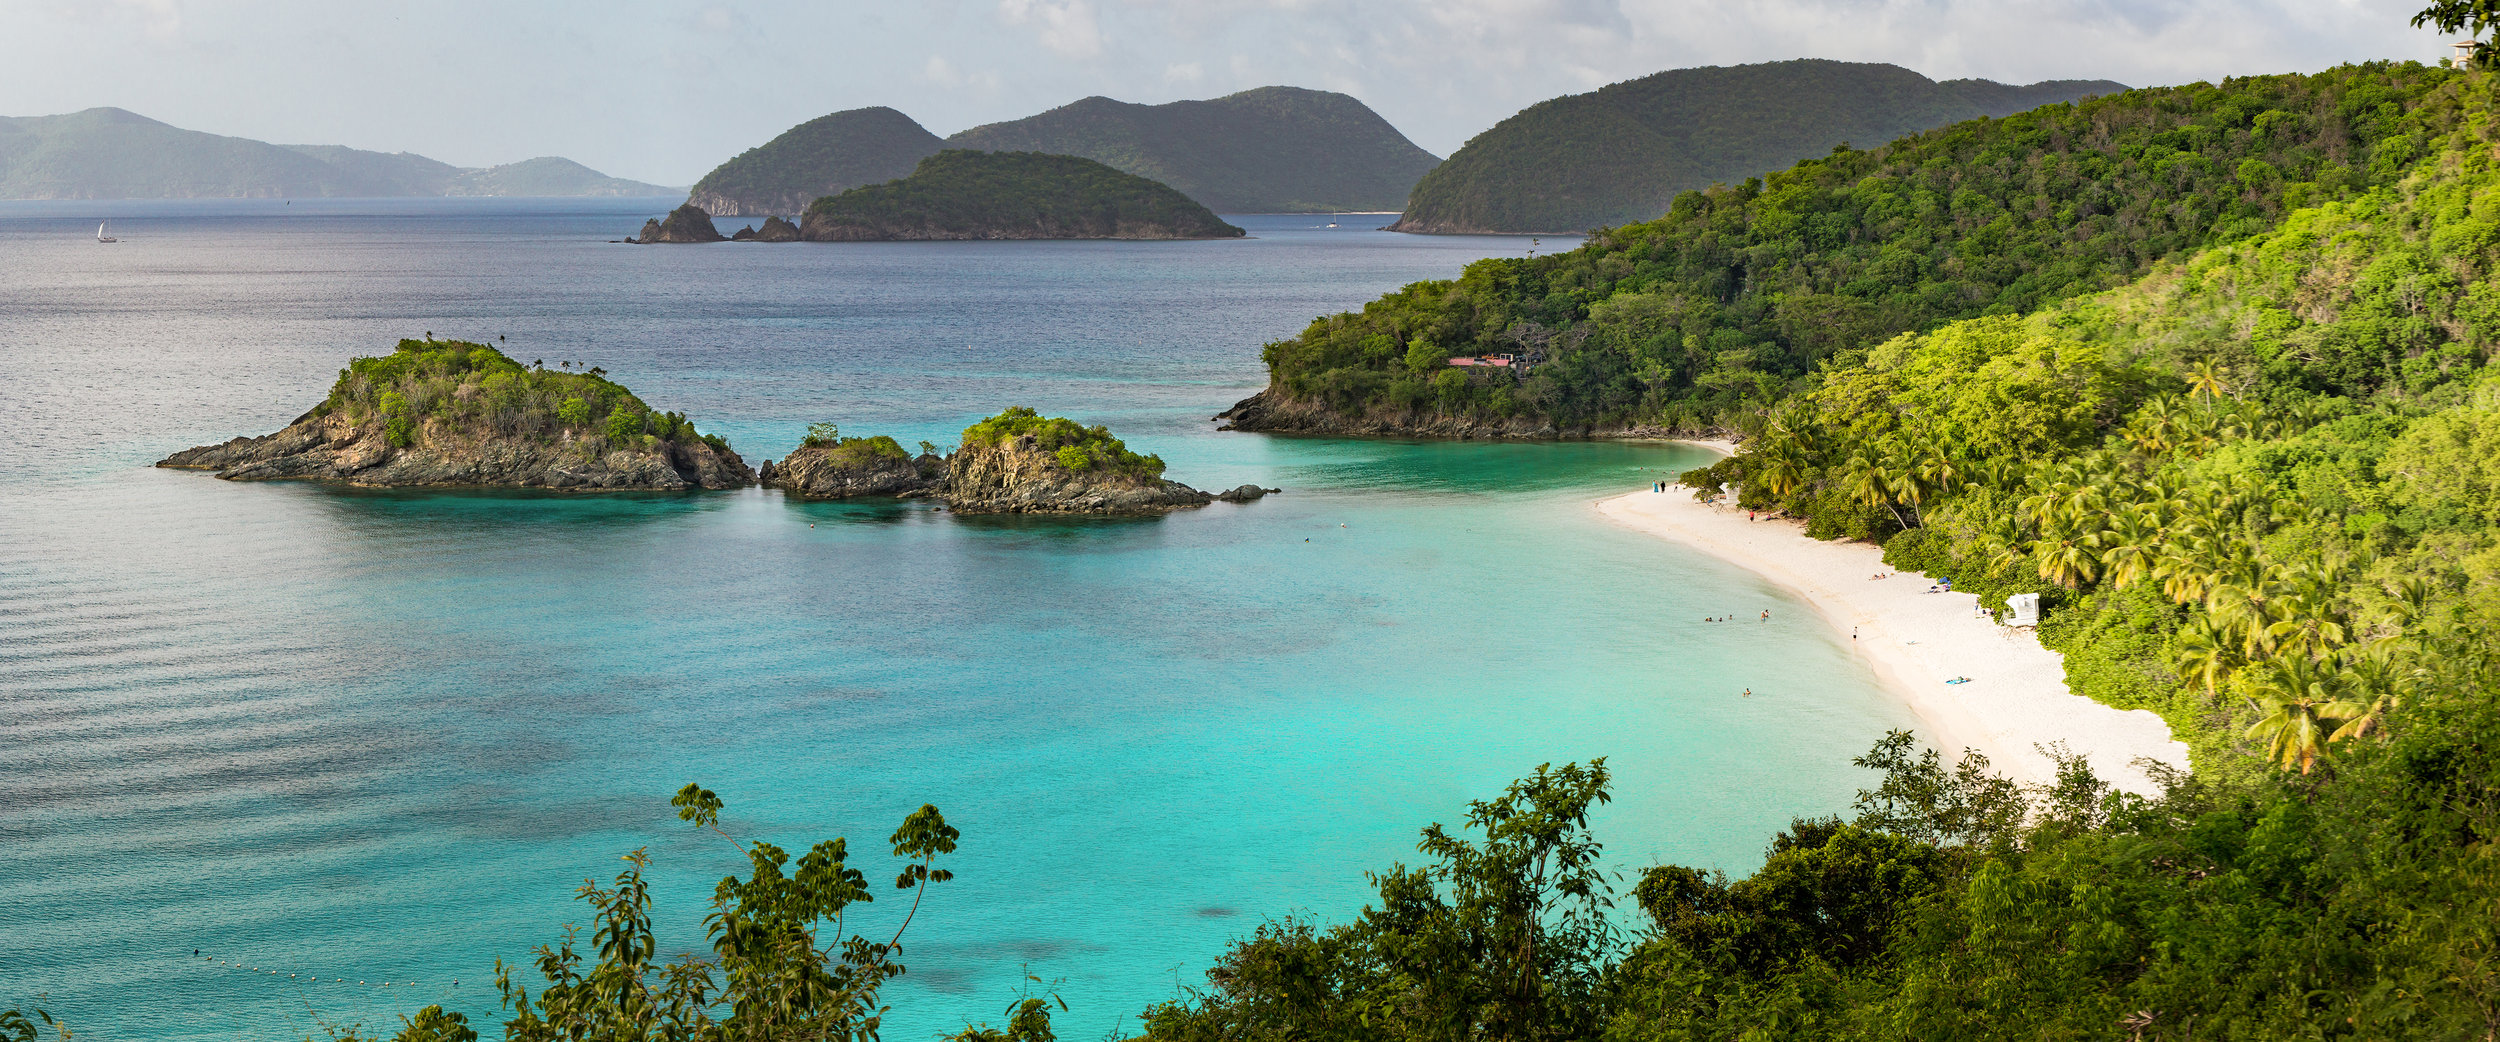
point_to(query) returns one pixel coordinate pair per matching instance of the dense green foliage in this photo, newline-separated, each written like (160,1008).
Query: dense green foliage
(823,156)
(957,194)
(2256,491)
(2361,902)
(1733,297)
(1074,445)
(1619,154)
(452,389)
(1269,150)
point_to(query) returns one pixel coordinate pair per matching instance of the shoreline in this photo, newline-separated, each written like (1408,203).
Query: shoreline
(1914,641)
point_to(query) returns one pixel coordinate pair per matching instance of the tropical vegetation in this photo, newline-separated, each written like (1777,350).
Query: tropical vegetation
(1072,445)
(1736,296)
(958,194)
(1618,154)
(453,389)
(853,452)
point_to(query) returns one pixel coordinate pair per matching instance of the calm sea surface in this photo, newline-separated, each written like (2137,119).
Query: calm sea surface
(382,736)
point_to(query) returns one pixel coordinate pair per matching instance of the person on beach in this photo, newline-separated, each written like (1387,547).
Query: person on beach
(1766,614)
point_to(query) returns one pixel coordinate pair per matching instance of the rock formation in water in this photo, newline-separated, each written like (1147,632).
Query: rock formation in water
(774,230)
(841,468)
(450,413)
(1017,462)
(686,223)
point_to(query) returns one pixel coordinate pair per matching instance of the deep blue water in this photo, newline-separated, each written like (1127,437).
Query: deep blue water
(382,735)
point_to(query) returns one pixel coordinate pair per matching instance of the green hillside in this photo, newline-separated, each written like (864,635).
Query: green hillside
(2255,489)
(824,156)
(960,194)
(1737,295)
(1270,150)
(1619,154)
(108,153)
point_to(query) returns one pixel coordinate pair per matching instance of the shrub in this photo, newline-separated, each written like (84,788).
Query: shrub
(624,426)
(1057,435)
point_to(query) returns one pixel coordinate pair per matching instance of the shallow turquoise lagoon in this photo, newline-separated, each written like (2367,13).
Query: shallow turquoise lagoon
(383,735)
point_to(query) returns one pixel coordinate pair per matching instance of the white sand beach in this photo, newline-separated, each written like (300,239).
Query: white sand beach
(1915,641)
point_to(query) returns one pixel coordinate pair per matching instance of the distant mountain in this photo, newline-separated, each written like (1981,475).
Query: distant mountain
(108,153)
(1620,154)
(1270,150)
(963,194)
(823,156)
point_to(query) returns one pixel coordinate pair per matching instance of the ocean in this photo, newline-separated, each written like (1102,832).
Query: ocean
(384,735)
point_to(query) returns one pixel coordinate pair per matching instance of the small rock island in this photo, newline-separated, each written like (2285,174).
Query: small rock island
(686,223)
(454,413)
(1017,462)
(962,194)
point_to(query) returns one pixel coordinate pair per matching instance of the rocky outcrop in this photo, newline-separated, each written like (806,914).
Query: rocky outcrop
(1272,413)
(686,223)
(845,471)
(774,230)
(1245,494)
(327,446)
(1018,477)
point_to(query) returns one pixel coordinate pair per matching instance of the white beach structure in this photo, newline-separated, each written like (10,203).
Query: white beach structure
(2023,609)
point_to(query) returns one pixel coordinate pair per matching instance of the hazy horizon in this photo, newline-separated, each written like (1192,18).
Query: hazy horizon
(663,90)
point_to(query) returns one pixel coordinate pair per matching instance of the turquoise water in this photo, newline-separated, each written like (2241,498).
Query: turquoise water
(382,735)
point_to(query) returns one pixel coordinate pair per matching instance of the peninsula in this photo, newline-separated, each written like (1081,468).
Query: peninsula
(958,194)
(454,413)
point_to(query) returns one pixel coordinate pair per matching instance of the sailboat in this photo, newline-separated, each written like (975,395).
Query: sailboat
(99,233)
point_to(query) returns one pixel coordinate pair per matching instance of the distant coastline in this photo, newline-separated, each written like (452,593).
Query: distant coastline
(1915,641)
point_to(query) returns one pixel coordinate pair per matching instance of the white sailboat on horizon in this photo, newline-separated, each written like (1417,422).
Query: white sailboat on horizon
(99,233)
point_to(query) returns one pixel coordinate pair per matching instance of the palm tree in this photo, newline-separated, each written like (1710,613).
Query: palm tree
(2298,700)
(2069,562)
(2132,541)
(1867,483)
(2204,657)
(2206,380)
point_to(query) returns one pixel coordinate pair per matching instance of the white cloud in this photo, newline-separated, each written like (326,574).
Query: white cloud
(1067,27)
(1184,72)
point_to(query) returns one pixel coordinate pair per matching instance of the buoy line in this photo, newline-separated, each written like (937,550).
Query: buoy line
(300,977)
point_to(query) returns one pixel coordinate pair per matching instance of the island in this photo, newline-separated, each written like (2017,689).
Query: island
(958,194)
(455,413)
(829,466)
(1017,462)
(687,223)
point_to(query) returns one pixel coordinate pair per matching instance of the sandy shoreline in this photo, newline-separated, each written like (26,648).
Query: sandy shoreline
(1915,641)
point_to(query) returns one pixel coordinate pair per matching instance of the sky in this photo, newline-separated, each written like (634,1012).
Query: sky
(664,90)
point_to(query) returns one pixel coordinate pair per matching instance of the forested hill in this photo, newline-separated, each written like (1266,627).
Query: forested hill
(1269,150)
(108,153)
(1736,294)
(2257,490)
(962,194)
(824,156)
(1619,154)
